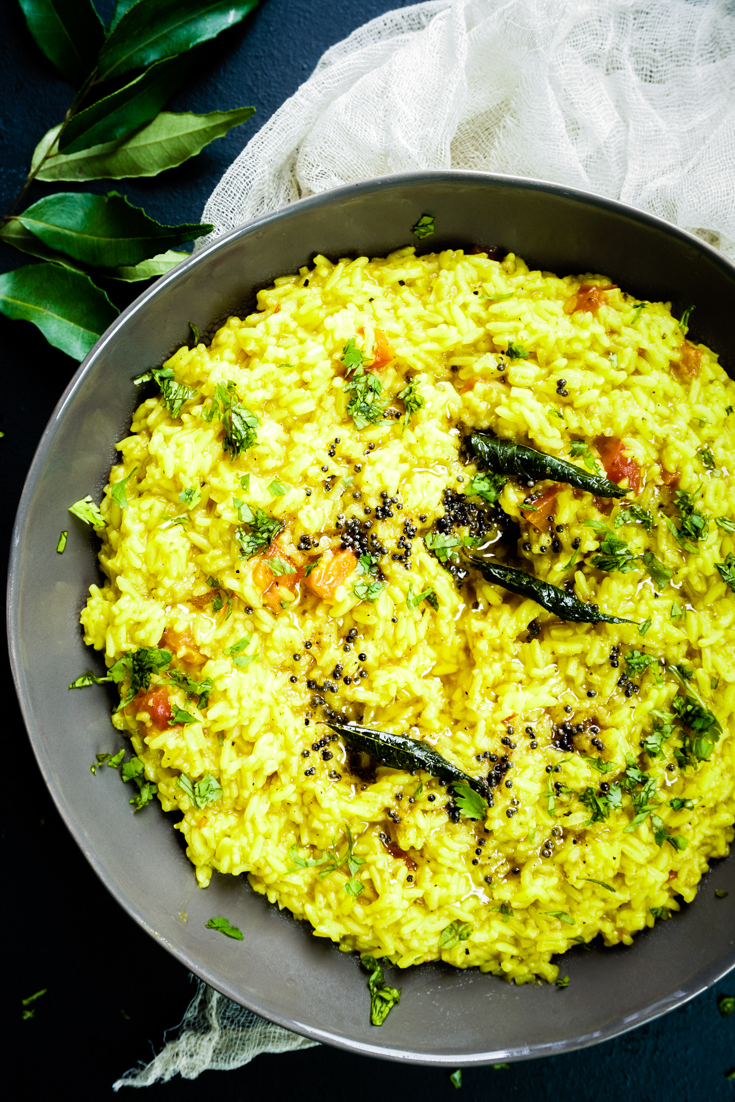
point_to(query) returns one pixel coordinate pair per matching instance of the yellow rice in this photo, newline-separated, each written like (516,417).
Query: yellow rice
(453,677)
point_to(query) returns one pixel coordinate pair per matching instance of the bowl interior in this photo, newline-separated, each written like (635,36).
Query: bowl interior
(280,970)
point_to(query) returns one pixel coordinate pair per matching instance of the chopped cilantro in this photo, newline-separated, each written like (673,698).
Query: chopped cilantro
(239,423)
(182,520)
(707,458)
(200,792)
(614,554)
(562,916)
(27,1002)
(110,760)
(634,514)
(87,679)
(262,530)
(694,524)
(599,764)
(312,566)
(191,496)
(602,884)
(505,911)
(134,770)
(192,688)
(179,715)
(225,927)
(117,490)
(455,932)
(572,562)
(470,803)
(637,662)
(137,667)
(725,524)
(678,803)
(555,412)
(239,647)
(424,227)
(516,351)
(367,563)
(726,1005)
(500,298)
(456,1078)
(278,488)
(382,997)
(367,591)
(659,574)
(364,387)
(727,571)
(221,597)
(87,511)
(720,893)
(661,912)
(412,400)
(194,333)
(729,409)
(644,625)
(279,567)
(599,804)
(487,486)
(354,888)
(676,612)
(414,600)
(581,449)
(562,981)
(61,545)
(174,394)
(684,319)
(442,545)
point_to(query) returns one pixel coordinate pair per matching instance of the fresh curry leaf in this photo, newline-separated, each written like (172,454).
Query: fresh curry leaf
(69,32)
(166,142)
(68,308)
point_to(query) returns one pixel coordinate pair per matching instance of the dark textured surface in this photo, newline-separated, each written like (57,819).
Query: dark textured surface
(67,933)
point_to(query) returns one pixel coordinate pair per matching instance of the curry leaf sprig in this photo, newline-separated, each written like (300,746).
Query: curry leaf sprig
(114,129)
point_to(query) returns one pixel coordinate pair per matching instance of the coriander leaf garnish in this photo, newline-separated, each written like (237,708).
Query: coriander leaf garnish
(707,458)
(194,333)
(174,393)
(599,764)
(644,626)
(456,1078)
(137,667)
(678,803)
(414,600)
(602,884)
(179,715)
(363,406)
(725,524)
(367,591)
(470,803)
(638,307)
(614,554)
(110,760)
(720,893)
(659,574)
(262,530)
(562,916)
(192,688)
(87,679)
(582,450)
(684,320)
(279,567)
(424,227)
(562,981)
(27,1002)
(239,423)
(221,596)
(134,770)
(61,545)
(225,927)
(87,511)
(117,490)
(455,932)
(278,488)
(726,1005)
(382,997)
(634,514)
(191,496)
(443,545)
(412,399)
(516,351)
(200,792)
(638,662)
(662,913)
(694,524)
(487,486)
(727,571)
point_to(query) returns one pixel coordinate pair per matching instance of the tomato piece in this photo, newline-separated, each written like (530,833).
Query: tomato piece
(690,360)
(617,464)
(270,584)
(542,508)
(670,478)
(330,573)
(383,353)
(156,702)
(588,299)
(397,853)
(182,644)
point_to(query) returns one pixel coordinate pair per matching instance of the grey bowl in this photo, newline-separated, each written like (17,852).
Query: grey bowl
(280,970)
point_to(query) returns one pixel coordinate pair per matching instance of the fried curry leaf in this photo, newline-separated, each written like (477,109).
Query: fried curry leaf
(402,752)
(508,458)
(564,605)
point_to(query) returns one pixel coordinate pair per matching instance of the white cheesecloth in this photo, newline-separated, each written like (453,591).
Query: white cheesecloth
(632,99)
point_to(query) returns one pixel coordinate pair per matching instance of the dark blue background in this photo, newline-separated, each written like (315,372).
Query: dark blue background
(111,990)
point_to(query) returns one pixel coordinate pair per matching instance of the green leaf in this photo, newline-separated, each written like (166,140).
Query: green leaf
(224,927)
(61,545)
(455,932)
(68,308)
(119,114)
(104,231)
(602,883)
(382,997)
(147,269)
(456,1078)
(14,233)
(562,981)
(69,32)
(117,490)
(726,1005)
(424,227)
(166,142)
(561,915)
(154,29)
(470,803)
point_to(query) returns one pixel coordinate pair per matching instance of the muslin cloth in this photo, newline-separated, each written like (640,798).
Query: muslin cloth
(632,99)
